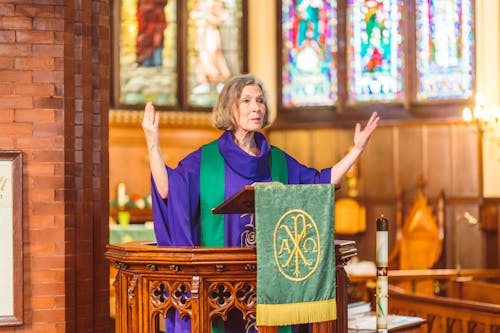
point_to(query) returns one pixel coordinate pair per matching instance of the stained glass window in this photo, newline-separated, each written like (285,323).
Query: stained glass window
(147,52)
(444,49)
(215,47)
(375,50)
(309,49)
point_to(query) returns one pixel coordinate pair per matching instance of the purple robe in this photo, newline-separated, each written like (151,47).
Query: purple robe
(177,219)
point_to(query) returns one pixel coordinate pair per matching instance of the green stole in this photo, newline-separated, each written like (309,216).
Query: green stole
(212,189)
(212,194)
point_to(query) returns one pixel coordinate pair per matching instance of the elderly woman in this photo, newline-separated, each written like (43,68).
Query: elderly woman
(241,156)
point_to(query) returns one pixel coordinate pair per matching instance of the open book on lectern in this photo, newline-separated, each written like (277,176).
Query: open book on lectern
(243,201)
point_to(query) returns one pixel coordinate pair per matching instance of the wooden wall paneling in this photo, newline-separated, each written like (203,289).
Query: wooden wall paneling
(465,162)
(377,173)
(330,145)
(129,156)
(437,160)
(299,145)
(471,239)
(128,160)
(490,166)
(489,219)
(277,138)
(464,240)
(449,244)
(410,157)
(489,215)
(179,142)
(327,143)
(344,140)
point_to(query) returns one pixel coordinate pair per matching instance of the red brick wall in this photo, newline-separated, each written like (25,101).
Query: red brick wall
(54,88)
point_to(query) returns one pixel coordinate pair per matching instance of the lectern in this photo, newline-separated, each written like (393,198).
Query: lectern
(200,283)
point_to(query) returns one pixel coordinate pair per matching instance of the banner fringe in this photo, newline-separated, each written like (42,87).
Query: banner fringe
(296,313)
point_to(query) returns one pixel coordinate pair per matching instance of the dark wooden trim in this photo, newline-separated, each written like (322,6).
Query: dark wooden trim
(115,20)
(410,66)
(474,48)
(489,220)
(182,58)
(137,215)
(279,55)
(244,34)
(391,113)
(17,237)
(342,74)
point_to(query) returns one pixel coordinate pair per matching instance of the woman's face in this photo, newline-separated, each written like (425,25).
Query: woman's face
(251,109)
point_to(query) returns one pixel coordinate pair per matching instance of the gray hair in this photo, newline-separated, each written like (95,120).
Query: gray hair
(222,115)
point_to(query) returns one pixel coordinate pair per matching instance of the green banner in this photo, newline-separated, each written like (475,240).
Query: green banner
(295,254)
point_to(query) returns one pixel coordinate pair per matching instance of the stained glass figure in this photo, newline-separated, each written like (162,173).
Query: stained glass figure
(375,50)
(147,49)
(444,49)
(309,50)
(215,47)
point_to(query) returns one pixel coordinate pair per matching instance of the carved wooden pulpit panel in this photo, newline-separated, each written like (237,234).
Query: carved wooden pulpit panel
(201,283)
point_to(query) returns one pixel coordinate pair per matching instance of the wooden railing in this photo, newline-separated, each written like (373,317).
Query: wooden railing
(462,301)
(447,315)
(477,291)
(423,281)
(431,274)
(150,280)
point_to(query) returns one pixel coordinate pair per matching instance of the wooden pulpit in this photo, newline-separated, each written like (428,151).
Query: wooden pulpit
(199,282)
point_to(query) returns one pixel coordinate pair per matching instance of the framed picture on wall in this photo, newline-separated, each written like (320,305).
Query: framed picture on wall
(176,54)
(11,238)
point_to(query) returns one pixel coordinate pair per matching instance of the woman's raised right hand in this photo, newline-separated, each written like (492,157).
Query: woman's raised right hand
(150,125)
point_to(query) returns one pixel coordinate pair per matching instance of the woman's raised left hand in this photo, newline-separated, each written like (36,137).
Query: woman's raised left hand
(361,136)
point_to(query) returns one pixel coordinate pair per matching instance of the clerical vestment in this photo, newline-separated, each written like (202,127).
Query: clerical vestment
(177,219)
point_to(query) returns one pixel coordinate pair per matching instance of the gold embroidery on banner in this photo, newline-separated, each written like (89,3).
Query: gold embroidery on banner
(248,237)
(297,245)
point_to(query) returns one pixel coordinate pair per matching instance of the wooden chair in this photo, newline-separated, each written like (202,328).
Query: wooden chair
(419,237)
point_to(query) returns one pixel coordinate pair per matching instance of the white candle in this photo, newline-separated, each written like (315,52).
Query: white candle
(121,194)
(382,278)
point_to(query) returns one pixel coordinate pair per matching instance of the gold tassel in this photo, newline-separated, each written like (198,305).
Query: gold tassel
(296,313)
